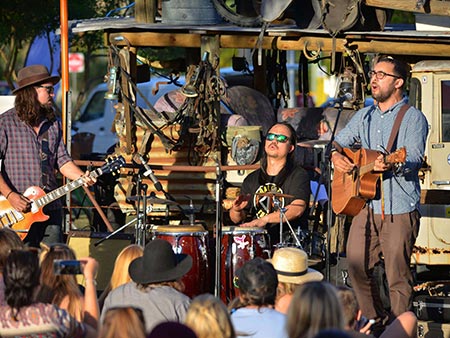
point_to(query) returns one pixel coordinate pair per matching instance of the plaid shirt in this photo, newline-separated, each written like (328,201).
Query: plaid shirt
(21,153)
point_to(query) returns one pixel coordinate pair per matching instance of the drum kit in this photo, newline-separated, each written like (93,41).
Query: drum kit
(237,246)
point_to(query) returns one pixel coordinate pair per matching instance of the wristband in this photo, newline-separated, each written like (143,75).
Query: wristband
(9,194)
(91,280)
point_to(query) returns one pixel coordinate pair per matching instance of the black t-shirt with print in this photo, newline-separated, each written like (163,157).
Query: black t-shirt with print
(297,183)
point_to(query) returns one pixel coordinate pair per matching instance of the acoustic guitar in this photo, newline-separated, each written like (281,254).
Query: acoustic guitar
(21,222)
(350,191)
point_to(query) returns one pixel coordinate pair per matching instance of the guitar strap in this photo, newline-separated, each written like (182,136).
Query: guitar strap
(45,151)
(389,148)
(396,126)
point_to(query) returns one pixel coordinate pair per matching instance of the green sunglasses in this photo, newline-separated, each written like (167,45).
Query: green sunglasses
(280,138)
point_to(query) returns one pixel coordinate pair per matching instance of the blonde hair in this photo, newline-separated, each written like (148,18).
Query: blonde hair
(208,317)
(126,256)
(123,322)
(315,306)
(286,289)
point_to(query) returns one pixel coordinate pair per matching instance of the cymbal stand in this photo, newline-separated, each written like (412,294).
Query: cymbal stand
(277,204)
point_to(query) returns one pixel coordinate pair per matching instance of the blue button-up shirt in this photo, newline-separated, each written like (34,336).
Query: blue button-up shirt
(372,128)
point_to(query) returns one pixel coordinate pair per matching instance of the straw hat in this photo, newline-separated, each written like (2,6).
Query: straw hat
(159,264)
(291,265)
(33,75)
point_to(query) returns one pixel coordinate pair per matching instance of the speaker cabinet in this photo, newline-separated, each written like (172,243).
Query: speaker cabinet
(86,244)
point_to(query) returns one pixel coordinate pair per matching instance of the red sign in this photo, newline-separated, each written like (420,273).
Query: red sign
(76,62)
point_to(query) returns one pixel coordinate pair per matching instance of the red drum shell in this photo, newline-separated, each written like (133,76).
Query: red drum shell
(193,241)
(239,245)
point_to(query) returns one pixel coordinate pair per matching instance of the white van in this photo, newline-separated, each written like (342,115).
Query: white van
(96,115)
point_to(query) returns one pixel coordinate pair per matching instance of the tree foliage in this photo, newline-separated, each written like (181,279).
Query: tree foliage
(22,20)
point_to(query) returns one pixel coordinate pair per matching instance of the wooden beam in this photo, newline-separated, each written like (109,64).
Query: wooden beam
(364,42)
(436,7)
(158,39)
(403,48)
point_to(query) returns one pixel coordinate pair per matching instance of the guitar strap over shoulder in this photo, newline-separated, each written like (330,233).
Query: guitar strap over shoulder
(392,138)
(396,126)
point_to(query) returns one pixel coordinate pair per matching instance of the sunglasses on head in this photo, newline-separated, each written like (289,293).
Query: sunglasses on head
(278,137)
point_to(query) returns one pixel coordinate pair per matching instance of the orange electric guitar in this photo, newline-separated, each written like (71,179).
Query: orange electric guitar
(21,222)
(350,191)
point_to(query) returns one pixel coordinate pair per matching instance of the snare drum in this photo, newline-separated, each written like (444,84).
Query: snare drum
(239,245)
(193,241)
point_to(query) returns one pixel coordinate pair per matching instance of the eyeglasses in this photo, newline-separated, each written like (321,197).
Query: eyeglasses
(278,137)
(49,89)
(380,75)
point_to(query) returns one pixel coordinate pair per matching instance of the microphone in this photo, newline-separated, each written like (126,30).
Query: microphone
(149,173)
(341,99)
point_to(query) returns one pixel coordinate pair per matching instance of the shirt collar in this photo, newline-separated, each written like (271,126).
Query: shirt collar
(394,107)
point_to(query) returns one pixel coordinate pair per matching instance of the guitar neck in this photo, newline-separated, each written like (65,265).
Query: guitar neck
(367,168)
(57,193)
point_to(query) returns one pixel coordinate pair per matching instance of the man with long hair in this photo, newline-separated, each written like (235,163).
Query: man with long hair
(32,151)
(279,177)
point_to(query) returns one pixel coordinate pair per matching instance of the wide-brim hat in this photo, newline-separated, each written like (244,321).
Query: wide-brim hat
(33,75)
(159,264)
(291,265)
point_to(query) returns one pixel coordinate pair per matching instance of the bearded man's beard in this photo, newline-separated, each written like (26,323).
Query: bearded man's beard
(35,117)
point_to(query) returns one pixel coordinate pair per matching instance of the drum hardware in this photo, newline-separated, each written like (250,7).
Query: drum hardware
(274,195)
(277,204)
(151,199)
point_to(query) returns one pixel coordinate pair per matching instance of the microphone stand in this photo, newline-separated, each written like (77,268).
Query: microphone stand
(218,228)
(141,189)
(327,173)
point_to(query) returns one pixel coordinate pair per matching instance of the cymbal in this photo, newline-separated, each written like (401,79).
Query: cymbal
(314,144)
(275,194)
(152,200)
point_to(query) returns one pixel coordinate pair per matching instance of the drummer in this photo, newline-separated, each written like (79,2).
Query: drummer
(279,182)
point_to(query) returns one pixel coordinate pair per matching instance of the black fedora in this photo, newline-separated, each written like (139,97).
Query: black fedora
(159,264)
(33,75)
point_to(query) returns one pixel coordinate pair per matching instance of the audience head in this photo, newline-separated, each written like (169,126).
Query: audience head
(208,317)
(291,265)
(159,265)
(170,330)
(54,288)
(257,282)
(350,306)
(123,322)
(120,273)
(21,276)
(9,240)
(48,277)
(315,306)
